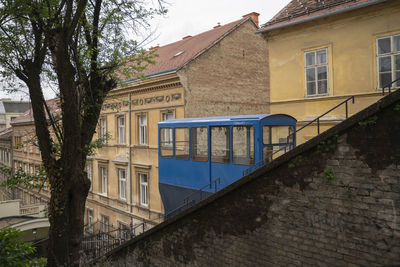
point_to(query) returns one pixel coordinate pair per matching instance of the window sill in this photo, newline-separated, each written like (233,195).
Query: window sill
(122,201)
(140,206)
(141,146)
(317,96)
(121,145)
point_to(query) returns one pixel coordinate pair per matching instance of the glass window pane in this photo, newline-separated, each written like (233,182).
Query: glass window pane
(385,64)
(266,135)
(322,87)
(267,153)
(311,88)
(243,145)
(166,142)
(199,143)
(310,58)
(322,73)
(182,143)
(280,134)
(396,43)
(397,62)
(220,144)
(310,74)
(385,79)
(321,57)
(384,46)
(397,76)
(167,116)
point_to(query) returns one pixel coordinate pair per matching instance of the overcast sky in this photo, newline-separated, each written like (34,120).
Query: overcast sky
(191,17)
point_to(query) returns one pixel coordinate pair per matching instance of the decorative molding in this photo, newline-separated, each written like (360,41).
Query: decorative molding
(143,101)
(138,90)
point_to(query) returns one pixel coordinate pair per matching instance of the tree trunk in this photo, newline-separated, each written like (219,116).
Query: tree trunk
(66,212)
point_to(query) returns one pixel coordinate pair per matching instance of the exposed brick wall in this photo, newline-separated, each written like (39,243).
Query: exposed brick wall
(230,78)
(334,201)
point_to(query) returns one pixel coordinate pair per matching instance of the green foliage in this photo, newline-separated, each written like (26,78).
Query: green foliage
(369,122)
(397,107)
(19,177)
(16,253)
(98,143)
(297,161)
(328,145)
(329,174)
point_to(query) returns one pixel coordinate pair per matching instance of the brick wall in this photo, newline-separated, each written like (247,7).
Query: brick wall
(230,78)
(333,201)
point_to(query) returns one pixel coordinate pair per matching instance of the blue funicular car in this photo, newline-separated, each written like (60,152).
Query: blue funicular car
(199,156)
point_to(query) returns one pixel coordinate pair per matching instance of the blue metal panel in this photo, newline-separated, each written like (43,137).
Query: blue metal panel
(189,175)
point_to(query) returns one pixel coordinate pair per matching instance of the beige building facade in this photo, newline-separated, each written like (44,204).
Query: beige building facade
(215,73)
(27,158)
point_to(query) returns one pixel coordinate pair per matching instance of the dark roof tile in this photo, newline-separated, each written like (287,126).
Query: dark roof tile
(297,10)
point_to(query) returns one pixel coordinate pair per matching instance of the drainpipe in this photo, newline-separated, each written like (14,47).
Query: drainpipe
(130,154)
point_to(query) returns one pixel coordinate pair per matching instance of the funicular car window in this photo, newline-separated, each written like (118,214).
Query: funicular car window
(243,144)
(199,142)
(277,140)
(182,143)
(220,144)
(166,143)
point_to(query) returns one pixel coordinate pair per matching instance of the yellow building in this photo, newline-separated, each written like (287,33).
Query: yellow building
(26,156)
(6,152)
(213,73)
(323,52)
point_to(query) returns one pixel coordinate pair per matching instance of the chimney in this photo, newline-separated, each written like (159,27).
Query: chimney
(217,26)
(254,16)
(186,37)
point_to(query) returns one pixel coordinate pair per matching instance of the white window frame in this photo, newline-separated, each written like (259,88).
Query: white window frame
(315,67)
(142,128)
(24,140)
(123,230)
(90,220)
(121,129)
(103,129)
(392,54)
(122,183)
(31,144)
(144,189)
(105,223)
(168,134)
(89,172)
(103,179)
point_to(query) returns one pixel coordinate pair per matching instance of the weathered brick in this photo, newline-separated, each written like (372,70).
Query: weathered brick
(318,225)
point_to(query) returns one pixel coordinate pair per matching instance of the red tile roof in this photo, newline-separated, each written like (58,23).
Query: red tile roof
(6,133)
(299,10)
(175,55)
(28,115)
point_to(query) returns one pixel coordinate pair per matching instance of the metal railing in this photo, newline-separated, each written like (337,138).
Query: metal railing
(190,200)
(345,102)
(265,161)
(389,86)
(100,238)
(262,162)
